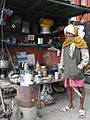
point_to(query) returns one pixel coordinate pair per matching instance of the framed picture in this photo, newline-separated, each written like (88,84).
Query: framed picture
(31,37)
(25,27)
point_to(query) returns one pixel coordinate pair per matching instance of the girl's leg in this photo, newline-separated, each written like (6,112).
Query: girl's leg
(69,92)
(81,89)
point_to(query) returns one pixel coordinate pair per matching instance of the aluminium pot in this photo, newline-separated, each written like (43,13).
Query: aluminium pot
(4,64)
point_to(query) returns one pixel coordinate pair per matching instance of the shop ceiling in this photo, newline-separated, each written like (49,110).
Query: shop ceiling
(32,10)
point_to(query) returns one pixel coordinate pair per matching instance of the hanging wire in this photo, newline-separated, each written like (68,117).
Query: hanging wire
(2,37)
(1,3)
(2,10)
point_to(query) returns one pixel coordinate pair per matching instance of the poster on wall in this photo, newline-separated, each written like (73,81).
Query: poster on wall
(31,59)
(21,56)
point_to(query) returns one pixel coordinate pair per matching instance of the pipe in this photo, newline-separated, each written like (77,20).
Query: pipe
(2,36)
(88,5)
(84,2)
(10,58)
(78,2)
(73,1)
(78,18)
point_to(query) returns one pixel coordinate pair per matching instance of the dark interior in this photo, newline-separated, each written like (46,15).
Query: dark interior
(33,10)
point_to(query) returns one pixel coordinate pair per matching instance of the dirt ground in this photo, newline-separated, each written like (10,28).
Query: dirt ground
(51,112)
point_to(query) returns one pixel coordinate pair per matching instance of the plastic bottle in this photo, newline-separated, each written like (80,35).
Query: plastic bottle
(38,68)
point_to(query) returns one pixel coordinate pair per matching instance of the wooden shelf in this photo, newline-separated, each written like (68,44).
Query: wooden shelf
(21,45)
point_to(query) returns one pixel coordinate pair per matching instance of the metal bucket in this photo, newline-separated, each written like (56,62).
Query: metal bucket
(27,96)
(45,30)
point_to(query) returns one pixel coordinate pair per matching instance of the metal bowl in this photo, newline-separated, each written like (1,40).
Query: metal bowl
(4,64)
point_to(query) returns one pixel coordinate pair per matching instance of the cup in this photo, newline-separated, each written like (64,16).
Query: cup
(56,75)
(2,76)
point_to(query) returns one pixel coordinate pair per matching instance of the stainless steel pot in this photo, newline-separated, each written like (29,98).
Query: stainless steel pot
(4,64)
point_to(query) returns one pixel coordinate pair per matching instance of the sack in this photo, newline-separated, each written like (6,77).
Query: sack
(45,93)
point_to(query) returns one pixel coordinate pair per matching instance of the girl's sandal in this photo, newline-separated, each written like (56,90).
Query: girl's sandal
(67,108)
(82,113)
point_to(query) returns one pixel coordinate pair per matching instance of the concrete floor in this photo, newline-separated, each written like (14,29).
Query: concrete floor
(51,112)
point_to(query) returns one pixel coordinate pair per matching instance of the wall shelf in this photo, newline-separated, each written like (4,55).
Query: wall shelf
(22,45)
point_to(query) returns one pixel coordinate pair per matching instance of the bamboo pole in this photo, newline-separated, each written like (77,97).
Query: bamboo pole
(85,16)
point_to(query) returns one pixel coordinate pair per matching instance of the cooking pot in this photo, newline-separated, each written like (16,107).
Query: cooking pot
(4,64)
(45,30)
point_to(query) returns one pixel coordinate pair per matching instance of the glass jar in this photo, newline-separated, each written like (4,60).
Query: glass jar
(44,71)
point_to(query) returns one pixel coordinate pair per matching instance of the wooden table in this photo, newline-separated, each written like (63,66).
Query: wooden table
(42,82)
(6,84)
